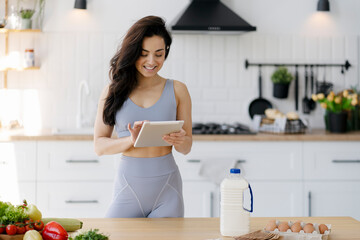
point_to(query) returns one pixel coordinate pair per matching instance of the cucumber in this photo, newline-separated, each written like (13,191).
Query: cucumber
(70,224)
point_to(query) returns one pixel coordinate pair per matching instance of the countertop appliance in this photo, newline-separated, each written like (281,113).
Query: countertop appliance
(224,128)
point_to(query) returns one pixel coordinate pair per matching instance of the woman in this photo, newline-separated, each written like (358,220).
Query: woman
(148,182)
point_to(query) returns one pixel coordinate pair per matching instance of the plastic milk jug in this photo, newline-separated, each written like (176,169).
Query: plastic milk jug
(234,218)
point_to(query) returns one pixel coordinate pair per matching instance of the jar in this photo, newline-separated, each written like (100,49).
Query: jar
(29,58)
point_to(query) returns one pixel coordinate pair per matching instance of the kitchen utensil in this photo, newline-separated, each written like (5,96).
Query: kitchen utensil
(306,100)
(259,105)
(296,88)
(312,103)
(324,87)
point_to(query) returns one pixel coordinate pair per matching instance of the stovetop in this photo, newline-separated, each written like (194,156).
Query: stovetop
(224,128)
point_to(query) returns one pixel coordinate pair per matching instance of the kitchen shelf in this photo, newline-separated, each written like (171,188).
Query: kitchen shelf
(7,32)
(19,69)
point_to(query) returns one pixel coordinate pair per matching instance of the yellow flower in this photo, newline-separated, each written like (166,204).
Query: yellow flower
(337,100)
(323,105)
(354,102)
(346,93)
(320,96)
(314,97)
(354,96)
(330,97)
(332,93)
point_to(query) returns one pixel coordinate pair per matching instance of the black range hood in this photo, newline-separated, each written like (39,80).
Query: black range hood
(210,16)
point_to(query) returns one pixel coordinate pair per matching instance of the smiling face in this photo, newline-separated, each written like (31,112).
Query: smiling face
(152,56)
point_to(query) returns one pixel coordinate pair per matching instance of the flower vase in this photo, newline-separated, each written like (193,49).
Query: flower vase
(337,122)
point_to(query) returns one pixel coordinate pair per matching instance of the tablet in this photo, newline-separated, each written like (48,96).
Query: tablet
(151,133)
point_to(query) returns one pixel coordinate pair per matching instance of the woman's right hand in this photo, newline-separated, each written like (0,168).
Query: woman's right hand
(134,131)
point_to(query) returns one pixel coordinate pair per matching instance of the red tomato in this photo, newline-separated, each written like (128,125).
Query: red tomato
(29,221)
(54,231)
(11,229)
(38,225)
(20,228)
(2,228)
(29,227)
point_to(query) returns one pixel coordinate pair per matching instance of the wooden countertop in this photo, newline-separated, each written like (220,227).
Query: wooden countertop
(343,228)
(315,135)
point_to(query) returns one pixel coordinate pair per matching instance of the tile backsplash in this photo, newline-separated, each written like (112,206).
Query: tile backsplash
(212,66)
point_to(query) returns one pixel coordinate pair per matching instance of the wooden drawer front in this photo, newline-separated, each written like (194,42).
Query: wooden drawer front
(260,161)
(74,199)
(73,161)
(16,192)
(17,161)
(332,160)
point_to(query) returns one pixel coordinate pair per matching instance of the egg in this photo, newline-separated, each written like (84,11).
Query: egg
(323,228)
(309,228)
(271,225)
(283,227)
(296,227)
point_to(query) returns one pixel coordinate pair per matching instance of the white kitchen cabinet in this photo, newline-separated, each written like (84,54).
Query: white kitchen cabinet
(74,199)
(257,160)
(332,198)
(332,179)
(200,199)
(72,160)
(332,160)
(274,170)
(18,171)
(72,181)
(277,198)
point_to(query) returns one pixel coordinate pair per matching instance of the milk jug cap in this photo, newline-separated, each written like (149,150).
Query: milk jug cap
(235,170)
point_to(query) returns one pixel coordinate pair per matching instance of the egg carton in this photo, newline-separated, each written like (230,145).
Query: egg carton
(289,235)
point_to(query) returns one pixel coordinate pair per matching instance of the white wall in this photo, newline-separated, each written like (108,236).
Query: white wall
(77,45)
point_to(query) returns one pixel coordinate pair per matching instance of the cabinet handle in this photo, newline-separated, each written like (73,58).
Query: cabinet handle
(346,161)
(193,160)
(3,162)
(81,201)
(211,204)
(309,210)
(82,161)
(240,161)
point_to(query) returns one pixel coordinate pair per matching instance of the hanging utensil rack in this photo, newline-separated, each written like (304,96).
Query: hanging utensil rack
(345,66)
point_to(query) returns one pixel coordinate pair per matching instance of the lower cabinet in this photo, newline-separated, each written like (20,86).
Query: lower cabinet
(74,199)
(273,169)
(18,172)
(201,199)
(332,198)
(67,179)
(277,198)
(72,181)
(332,179)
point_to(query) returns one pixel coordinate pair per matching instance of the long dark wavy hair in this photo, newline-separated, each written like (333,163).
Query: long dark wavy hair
(122,66)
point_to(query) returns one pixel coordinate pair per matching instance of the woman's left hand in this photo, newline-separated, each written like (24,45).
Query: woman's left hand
(176,138)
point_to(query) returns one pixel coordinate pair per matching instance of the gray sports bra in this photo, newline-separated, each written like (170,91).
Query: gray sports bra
(163,110)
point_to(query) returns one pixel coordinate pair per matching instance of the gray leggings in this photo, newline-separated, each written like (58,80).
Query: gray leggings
(147,187)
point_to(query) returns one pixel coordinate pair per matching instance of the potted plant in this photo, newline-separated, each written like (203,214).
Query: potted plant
(337,109)
(26,15)
(281,79)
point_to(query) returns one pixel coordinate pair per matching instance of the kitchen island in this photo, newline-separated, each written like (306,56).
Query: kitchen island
(343,228)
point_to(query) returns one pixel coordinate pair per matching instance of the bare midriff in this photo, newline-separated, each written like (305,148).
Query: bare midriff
(148,152)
